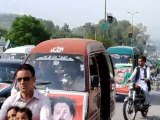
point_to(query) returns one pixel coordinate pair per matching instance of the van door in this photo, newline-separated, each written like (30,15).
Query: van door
(112,86)
(99,87)
(105,77)
(94,92)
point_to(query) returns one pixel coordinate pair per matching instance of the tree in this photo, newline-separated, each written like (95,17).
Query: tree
(65,28)
(27,30)
(3,32)
(141,33)
(89,30)
(48,25)
(79,31)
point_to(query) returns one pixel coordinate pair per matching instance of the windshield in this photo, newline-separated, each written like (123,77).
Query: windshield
(7,71)
(60,72)
(14,55)
(116,58)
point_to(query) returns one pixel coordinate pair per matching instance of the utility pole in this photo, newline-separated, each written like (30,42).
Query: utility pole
(105,22)
(105,12)
(132,14)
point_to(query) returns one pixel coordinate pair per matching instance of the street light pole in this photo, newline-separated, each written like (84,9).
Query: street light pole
(105,18)
(105,11)
(132,14)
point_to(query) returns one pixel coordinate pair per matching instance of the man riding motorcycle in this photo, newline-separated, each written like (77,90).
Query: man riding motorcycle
(141,75)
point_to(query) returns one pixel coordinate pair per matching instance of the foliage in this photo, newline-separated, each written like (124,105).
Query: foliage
(48,25)
(64,32)
(3,32)
(27,30)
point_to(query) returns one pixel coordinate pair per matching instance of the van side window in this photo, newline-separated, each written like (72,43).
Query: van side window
(100,71)
(94,73)
(93,66)
(110,66)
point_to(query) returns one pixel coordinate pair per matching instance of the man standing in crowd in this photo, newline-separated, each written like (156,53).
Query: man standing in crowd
(27,96)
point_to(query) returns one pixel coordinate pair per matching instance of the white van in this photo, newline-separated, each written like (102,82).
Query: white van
(18,52)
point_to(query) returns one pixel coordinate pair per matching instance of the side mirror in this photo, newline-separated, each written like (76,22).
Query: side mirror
(94,81)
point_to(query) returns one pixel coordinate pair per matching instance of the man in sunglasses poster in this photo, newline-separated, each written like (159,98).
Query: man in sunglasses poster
(27,96)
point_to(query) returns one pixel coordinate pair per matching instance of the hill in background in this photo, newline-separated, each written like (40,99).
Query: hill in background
(6,20)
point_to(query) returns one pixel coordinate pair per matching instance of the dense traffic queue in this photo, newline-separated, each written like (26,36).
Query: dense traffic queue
(77,70)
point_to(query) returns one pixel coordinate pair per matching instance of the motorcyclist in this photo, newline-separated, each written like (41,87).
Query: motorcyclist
(141,75)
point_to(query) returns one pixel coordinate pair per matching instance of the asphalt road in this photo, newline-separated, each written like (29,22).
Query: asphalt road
(153,113)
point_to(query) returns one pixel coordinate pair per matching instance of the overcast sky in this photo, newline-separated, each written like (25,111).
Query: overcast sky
(77,12)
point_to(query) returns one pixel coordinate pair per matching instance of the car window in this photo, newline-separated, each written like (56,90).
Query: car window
(7,71)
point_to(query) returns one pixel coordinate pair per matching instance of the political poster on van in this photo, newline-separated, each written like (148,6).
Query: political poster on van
(122,73)
(68,105)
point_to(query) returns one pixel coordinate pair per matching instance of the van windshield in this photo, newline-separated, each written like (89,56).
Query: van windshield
(116,58)
(58,71)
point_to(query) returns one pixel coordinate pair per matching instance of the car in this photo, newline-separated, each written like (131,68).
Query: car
(8,68)
(19,52)
(125,59)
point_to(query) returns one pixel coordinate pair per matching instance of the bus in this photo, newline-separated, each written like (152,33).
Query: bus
(125,59)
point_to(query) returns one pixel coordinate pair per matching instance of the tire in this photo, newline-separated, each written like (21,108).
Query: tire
(129,105)
(144,112)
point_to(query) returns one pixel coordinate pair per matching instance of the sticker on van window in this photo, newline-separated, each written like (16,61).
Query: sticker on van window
(55,62)
(82,67)
(116,56)
(57,49)
(56,57)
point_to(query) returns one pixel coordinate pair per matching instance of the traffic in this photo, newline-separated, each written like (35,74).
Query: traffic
(79,60)
(65,71)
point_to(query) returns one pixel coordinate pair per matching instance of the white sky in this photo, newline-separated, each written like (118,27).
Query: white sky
(77,12)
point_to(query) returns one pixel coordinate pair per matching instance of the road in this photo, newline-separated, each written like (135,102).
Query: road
(154,110)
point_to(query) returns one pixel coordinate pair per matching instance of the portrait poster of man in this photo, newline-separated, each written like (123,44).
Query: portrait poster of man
(68,105)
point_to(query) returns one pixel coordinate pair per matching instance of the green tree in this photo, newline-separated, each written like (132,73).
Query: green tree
(118,31)
(65,28)
(62,32)
(48,26)
(79,31)
(27,30)
(3,32)
(89,30)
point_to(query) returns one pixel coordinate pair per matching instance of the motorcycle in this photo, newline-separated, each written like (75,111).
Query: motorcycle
(134,102)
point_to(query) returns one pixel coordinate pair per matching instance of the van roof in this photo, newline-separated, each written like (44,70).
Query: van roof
(69,45)
(123,50)
(21,49)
